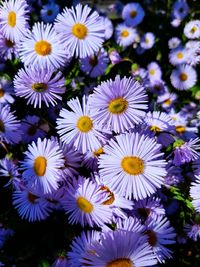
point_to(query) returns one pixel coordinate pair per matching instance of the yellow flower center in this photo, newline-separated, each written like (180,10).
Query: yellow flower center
(12,19)
(124,33)
(2,127)
(152,71)
(79,30)
(40,165)
(98,152)
(152,238)
(168,102)
(133,14)
(183,77)
(180,55)
(111,196)
(84,124)
(120,263)
(132,165)
(180,129)
(9,43)
(43,48)
(39,87)
(155,128)
(32,198)
(1,92)
(193,30)
(118,105)
(84,205)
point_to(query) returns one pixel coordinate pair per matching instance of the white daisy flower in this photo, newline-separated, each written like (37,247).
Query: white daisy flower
(174,42)
(192,29)
(179,56)
(184,77)
(82,30)
(125,35)
(148,40)
(154,72)
(77,127)
(14,19)
(130,165)
(42,165)
(43,47)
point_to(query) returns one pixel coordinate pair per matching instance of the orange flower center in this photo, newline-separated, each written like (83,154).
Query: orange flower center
(43,48)
(132,165)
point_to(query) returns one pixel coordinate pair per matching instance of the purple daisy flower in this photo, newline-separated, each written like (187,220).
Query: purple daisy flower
(193,230)
(132,165)
(5,233)
(31,129)
(73,160)
(42,165)
(131,224)
(39,85)
(83,201)
(10,170)
(119,104)
(61,261)
(6,91)
(148,209)
(185,152)
(82,30)
(160,233)
(9,126)
(81,245)
(95,65)
(133,14)
(120,248)
(30,207)
(8,48)
(173,176)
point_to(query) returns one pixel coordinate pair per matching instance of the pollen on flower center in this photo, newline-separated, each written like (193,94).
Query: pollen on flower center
(125,33)
(180,129)
(84,205)
(79,30)
(84,124)
(132,165)
(152,239)
(40,165)
(155,128)
(32,198)
(2,127)
(118,105)
(193,30)
(12,19)
(39,87)
(133,14)
(152,71)
(183,77)
(98,152)
(120,263)
(93,61)
(43,48)
(179,55)
(9,43)
(168,102)
(1,92)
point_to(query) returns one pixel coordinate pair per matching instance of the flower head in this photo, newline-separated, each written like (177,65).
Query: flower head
(131,165)
(39,85)
(42,165)
(14,19)
(133,14)
(119,104)
(43,47)
(82,30)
